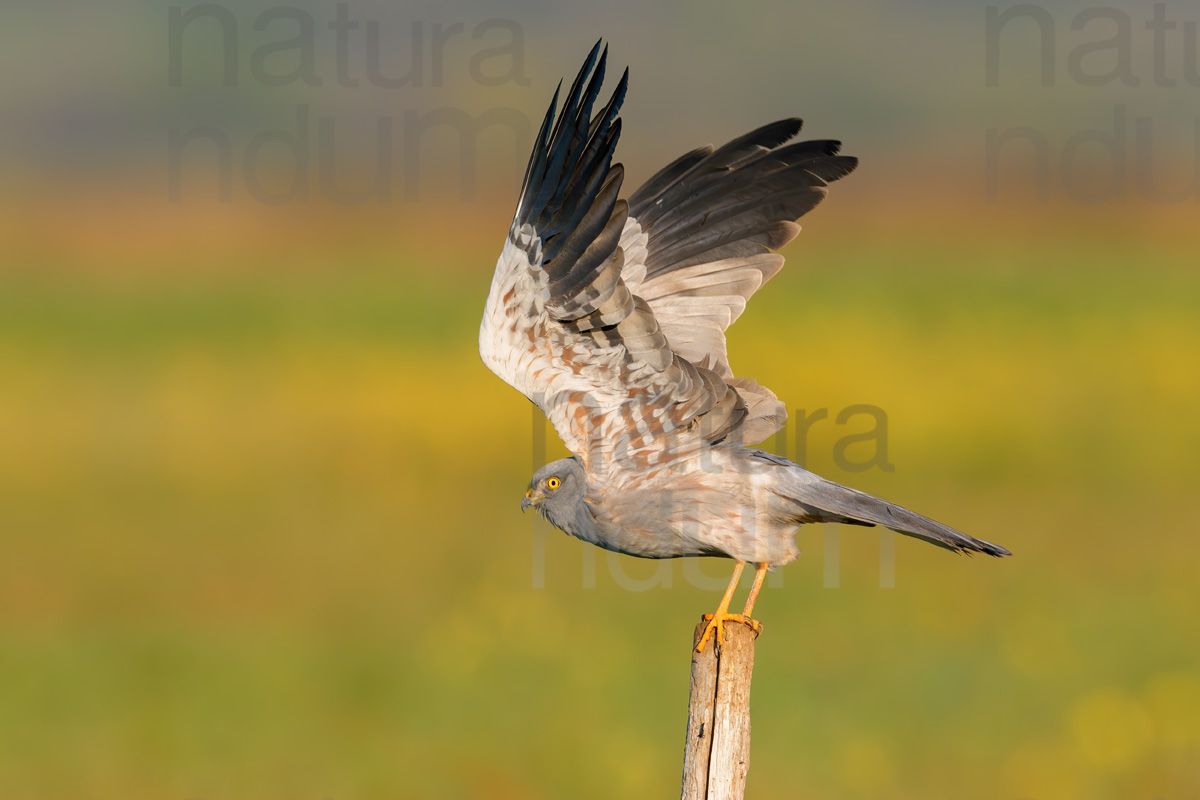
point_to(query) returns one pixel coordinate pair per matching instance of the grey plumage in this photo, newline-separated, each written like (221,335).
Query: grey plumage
(611,314)
(816,496)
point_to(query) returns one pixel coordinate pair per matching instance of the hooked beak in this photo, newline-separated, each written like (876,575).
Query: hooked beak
(532,498)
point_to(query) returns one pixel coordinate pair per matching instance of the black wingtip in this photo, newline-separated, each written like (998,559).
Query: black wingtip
(571,156)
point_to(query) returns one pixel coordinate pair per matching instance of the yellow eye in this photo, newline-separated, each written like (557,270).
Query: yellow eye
(553,483)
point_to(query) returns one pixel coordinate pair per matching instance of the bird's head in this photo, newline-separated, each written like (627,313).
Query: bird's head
(556,491)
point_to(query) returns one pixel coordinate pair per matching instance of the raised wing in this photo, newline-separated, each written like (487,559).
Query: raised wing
(704,227)
(587,302)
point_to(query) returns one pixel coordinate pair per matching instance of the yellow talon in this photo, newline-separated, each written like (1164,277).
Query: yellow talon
(716,622)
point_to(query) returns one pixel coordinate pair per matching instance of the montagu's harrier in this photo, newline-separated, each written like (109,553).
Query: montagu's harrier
(610,313)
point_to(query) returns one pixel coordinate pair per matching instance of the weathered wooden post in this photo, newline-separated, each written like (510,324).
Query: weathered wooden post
(716,755)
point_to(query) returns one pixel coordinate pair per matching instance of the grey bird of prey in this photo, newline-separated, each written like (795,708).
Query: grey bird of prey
(610,314)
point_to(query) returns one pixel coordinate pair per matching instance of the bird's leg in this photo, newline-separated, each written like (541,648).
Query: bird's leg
(716,622)
(760,572)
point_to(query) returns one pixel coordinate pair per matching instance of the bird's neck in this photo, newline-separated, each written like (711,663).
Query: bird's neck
(581,524)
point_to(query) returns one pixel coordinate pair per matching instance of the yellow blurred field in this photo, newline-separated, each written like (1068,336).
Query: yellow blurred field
(259,526)
(261,540)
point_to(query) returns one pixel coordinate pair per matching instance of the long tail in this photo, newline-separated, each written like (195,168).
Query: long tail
(826,501)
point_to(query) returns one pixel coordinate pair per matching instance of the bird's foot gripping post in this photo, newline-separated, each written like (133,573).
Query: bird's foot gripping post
(716,622)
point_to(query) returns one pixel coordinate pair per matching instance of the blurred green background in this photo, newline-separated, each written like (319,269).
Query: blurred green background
(259,498)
